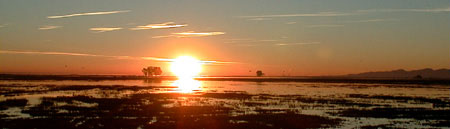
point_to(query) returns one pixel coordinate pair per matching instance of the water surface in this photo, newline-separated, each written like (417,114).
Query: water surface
(221,104)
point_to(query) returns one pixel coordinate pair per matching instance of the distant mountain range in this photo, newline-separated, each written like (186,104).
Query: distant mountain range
(400,73)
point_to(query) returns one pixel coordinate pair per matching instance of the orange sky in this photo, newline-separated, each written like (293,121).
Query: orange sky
(290,38)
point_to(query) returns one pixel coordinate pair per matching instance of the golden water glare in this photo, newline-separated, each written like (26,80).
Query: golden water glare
(186,68)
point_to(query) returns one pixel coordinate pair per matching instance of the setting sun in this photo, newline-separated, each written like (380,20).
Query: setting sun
(186,67)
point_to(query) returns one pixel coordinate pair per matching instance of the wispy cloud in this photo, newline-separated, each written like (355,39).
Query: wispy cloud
(190,34)
(87,14)
(259,19)
(201,61)
(196,34)
(320,14)
(287,44)
(163,36)
(159,26)
(433,10)
(235,41)
(3,25)
(333,14)
(290,23)
(101,56)
(48,27)
(78,54)
(370,20)
(326,25)
(278,44)
(267,40)
(51,53)
(104,29)
(167,36)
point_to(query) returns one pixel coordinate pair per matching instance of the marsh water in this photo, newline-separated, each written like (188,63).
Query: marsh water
(221,104)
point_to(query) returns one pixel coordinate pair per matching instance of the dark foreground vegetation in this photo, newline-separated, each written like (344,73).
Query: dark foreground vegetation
(147,111)
(134,107)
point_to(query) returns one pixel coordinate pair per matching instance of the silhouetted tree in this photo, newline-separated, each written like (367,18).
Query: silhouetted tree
(152,71)
(144,70)
(259,73)
(157,71)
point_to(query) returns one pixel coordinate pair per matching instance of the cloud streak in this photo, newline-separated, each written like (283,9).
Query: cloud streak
(48,27)
(371,20)
(88,14)
(3,25)
(320,14)
(290,23)
(334,14)
(190,34)
(260,19)
(101,56)
(48,53)
(104,29)
(319,26)
(196,34)
(434,10)
(278,44)
(159,26)
(288,44)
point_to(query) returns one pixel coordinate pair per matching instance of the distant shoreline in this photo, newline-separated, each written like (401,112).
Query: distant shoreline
(323,79)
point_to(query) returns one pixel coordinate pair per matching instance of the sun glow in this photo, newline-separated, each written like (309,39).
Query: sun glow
(186,67)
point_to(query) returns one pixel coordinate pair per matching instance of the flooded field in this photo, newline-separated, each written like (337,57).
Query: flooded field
(221,104)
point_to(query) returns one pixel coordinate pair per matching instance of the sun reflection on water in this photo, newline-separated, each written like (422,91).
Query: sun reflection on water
(186,68)
(187,85)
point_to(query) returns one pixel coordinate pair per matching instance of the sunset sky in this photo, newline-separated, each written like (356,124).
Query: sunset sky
(279,37)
